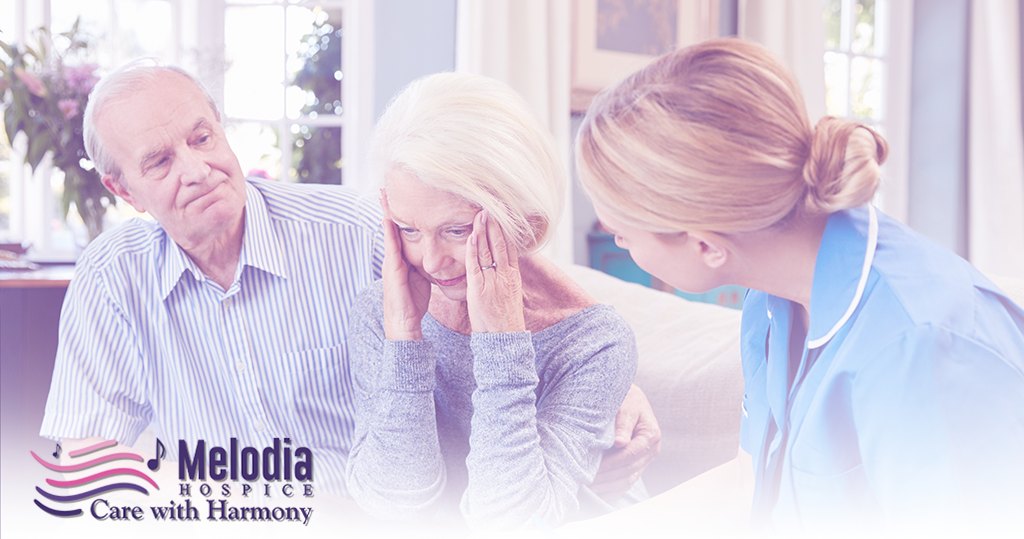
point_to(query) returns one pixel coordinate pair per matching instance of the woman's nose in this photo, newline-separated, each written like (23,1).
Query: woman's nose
(435,258)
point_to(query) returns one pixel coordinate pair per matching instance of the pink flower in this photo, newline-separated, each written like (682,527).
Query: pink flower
(259,173)
(80,79)
(30,81)
(69,107)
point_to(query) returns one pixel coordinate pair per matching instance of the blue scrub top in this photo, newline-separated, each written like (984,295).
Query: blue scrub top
(907,403)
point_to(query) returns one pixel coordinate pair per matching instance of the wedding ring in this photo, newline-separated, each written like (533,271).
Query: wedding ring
(492,266)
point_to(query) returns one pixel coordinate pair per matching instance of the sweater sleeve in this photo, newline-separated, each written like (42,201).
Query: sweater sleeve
(536,440)
(395,469)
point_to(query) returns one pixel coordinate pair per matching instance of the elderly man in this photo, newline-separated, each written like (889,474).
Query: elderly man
(227,317)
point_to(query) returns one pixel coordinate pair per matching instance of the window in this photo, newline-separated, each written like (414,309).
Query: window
(867,45)
(277,67)
(119,30)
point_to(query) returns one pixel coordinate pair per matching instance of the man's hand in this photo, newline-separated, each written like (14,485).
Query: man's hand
(637,442)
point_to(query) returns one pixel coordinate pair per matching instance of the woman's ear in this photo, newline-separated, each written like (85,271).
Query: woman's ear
(713,248)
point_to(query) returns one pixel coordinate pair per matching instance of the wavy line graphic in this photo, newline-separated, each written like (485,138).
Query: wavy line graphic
(87,464)
(58,512)
(92,448)
(100,475)
(93,492)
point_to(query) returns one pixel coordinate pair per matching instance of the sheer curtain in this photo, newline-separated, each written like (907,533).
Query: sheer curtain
(525,43)
(796,35)
(995,139)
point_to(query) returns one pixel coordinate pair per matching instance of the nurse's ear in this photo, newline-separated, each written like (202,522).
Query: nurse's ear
(712,248)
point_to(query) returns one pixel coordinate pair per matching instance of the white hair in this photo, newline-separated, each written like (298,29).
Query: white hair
(122,82)
(477,138)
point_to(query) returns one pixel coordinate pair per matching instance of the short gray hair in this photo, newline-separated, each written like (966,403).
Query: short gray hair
(477,138)
(117,84)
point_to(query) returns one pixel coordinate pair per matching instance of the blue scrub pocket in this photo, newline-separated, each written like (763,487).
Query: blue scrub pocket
(825,500)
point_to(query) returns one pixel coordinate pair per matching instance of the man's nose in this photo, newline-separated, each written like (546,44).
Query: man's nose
(193,168)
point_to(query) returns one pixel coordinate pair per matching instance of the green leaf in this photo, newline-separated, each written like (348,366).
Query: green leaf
(33,53)
(12,123)
(69,193)
(37,147)
(8,49)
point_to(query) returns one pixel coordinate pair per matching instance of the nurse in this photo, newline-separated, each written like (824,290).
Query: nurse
(884,374)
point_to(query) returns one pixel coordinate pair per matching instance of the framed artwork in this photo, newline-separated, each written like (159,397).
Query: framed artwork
(613,38)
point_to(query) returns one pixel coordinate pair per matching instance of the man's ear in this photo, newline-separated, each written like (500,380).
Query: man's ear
(714,249)
(116,187)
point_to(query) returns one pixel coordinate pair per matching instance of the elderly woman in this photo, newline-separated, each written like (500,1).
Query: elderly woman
(884,374)
(486,380)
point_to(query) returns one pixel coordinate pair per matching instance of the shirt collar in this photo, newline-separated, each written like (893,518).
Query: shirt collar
(175,263)
(841,271)
(261,248)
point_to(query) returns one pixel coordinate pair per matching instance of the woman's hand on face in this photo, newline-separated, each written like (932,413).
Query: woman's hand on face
(406,292)
(494,287)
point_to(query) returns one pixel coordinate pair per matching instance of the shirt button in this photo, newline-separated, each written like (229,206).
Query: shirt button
(240,366)
(259,426)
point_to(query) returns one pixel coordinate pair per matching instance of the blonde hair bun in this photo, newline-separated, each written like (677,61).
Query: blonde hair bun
(843,169)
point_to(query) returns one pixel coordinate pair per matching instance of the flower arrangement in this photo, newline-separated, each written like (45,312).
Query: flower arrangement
(45,88)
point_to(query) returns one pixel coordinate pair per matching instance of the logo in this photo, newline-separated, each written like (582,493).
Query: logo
(103,472)
(233,483)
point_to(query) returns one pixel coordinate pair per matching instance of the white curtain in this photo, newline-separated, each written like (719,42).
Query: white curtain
(796,35)
(995,140)
(525,43)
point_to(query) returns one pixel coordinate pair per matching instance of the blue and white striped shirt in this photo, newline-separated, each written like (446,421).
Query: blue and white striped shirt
(147,340)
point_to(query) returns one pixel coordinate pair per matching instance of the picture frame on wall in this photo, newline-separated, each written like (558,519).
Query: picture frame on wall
(613,38)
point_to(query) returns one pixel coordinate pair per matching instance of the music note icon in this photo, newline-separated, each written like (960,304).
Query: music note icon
(161,452)
(56,454)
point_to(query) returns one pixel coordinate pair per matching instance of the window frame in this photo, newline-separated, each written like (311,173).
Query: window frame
(897,20)
(198,25)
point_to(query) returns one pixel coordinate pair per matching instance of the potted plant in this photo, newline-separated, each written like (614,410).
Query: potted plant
(45,88)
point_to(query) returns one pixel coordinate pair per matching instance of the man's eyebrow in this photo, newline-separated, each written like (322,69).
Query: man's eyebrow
(150,156)
(399,221)
(201,123)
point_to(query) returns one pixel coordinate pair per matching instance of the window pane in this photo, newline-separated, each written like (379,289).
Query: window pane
(864,27)
(67,235)
(314,62)
(7,20)
(316,156)
(136,28)
(257,146)
(7,25)
(866,88)
(94,15)
(836,84)
(143,28)
(253,37)
(5,183)
(833,23)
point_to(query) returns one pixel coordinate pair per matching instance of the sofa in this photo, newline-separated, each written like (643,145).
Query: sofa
(689,368)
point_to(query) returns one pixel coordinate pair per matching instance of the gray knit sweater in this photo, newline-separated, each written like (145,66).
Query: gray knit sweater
(507,428)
